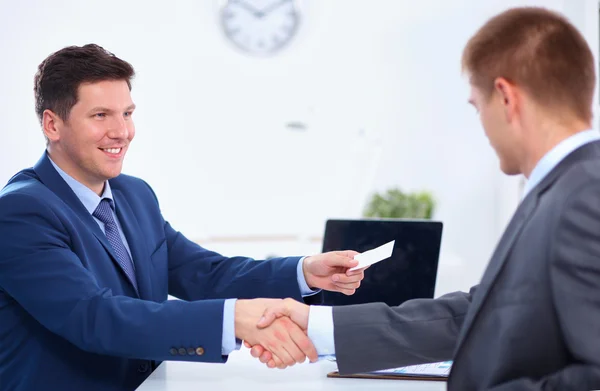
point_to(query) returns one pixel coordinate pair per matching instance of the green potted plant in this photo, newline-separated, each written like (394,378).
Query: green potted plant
(394,203)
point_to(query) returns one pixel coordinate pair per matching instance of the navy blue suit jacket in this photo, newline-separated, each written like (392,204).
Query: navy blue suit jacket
(69,317)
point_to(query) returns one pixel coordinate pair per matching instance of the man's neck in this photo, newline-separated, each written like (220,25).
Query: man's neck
(544,138)
(68,167)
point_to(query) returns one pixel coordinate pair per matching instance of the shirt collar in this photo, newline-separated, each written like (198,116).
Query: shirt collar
(88,198)
(553,157)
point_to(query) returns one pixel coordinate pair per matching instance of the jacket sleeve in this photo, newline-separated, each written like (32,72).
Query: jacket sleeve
(375,336)
(196,273)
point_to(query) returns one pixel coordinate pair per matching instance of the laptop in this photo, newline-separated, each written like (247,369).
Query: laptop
(410,273)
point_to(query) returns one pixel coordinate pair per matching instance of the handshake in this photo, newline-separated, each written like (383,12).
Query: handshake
(277,329)
(278,335)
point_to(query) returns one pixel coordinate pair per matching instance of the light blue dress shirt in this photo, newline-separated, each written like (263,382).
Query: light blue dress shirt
(320,321)
(91,200)
(556,155)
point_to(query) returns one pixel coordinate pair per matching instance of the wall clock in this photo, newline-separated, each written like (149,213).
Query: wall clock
(260,27)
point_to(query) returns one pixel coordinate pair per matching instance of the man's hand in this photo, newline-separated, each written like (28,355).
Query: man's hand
(285,340)
(331,271)
(296,311)
(288,308)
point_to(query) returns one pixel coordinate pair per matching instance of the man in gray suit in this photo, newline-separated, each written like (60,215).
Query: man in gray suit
(533,322)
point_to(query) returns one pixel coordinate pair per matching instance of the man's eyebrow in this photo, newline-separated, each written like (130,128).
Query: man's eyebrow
(100,108)
(106,109)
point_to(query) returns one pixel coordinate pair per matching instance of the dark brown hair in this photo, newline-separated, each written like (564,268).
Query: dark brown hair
(59,76)
(541,52)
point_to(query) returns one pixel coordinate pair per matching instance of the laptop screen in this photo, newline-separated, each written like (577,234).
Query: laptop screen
(409,274)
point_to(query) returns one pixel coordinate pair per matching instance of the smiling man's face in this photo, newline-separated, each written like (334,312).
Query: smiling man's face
(91,143)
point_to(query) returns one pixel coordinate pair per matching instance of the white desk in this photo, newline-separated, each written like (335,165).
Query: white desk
(243,372)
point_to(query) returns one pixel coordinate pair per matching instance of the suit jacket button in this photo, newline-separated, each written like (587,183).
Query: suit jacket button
(182,351)
(191,351)
(200,351)
(143,368)
(173,351)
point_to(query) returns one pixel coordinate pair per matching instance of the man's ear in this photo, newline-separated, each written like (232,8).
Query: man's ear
(509,97)
(51,125)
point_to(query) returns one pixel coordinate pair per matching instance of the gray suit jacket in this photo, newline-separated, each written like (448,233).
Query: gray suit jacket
(533,323)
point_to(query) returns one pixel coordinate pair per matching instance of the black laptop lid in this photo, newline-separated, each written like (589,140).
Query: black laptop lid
(409,274)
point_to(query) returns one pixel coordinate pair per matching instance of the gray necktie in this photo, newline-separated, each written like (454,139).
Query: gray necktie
(104,213)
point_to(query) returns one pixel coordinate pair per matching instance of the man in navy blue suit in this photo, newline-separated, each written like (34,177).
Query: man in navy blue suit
(87,259)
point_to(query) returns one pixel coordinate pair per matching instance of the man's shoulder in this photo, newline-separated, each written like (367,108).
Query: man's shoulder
(585,172)
(579,175)
(584,165)
(25,182)
(25,192)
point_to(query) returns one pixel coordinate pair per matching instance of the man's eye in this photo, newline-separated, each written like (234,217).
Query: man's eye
(100,115)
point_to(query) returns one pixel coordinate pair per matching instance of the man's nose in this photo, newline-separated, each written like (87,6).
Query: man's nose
(118,128)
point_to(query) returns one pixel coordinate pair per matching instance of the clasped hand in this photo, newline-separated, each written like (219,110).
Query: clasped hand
(279,338)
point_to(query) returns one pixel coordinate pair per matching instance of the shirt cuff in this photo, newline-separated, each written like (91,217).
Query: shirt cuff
(304,288)
(228,341)
(320,330)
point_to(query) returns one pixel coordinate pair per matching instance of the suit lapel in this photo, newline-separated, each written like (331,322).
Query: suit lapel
(52,179)
(512,232)
(137,243)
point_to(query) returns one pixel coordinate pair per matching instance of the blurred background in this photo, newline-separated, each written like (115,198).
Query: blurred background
(258,120)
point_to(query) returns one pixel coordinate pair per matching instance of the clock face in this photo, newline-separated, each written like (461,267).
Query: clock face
(260,27)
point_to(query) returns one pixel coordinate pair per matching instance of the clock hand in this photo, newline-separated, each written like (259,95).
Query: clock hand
(271,8)
(242,4)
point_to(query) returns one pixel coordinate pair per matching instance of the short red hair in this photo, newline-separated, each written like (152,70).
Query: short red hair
(539,51)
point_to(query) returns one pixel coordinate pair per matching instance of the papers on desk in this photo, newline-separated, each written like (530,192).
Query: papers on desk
(438,369)
(373,256)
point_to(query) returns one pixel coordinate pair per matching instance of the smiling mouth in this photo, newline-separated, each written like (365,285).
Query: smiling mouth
(114,151)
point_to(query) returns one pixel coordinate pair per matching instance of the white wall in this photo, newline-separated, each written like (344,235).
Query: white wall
(377,82)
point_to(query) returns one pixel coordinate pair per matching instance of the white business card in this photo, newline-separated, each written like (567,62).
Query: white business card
(373,256)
